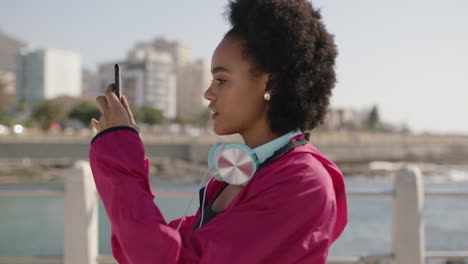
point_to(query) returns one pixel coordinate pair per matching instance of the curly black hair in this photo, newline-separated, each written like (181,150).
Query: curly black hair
(288,39)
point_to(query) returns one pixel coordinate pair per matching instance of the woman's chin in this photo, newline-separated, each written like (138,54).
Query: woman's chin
(222,131)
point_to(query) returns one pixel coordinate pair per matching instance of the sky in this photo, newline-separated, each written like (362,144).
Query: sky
(410,58)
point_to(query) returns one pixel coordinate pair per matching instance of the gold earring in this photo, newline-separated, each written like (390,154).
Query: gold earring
(267,97)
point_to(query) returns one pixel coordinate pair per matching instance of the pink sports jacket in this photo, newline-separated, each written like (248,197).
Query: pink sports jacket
(291,211)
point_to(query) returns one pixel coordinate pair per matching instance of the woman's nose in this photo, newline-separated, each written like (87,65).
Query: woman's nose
(209,94)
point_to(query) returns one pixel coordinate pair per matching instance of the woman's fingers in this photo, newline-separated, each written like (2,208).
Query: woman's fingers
(102,103)
(114,112)
(111,98)
(129,111)
(95,124)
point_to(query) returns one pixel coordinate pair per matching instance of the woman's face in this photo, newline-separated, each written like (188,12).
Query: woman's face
(236,96)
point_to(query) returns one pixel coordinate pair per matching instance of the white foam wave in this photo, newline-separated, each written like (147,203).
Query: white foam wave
(432,172)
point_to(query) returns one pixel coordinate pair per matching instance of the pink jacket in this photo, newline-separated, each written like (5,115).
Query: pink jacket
(290,212)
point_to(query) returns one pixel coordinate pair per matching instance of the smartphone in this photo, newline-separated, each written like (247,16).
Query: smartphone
(118,81)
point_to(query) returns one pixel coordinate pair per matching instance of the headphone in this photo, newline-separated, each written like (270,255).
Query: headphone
(236,163)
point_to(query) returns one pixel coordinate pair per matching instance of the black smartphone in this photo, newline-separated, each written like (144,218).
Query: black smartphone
(118,81)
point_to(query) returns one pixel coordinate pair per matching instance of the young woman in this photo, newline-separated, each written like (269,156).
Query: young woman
(273,73)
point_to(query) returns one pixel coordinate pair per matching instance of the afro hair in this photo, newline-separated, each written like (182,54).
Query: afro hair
(288,39)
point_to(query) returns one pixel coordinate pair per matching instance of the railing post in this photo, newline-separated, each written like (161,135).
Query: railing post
(81,216)
(408,222)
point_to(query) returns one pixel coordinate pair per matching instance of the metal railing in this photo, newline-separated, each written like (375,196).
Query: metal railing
(408,195)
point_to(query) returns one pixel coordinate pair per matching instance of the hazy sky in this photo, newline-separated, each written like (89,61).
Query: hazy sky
(408,57)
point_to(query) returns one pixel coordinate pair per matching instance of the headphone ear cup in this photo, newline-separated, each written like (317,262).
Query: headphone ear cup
(236,163)
(213,157)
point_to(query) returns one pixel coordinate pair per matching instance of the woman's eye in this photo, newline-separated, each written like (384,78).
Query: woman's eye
(220,81)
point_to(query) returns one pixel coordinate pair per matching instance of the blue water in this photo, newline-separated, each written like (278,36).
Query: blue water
(34,226)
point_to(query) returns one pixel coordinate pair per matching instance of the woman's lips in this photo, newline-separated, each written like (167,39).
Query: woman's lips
(214,115)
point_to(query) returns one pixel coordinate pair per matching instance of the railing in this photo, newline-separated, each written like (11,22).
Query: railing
(81,228)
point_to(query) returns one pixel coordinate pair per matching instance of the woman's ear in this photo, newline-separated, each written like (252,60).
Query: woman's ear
(267,85)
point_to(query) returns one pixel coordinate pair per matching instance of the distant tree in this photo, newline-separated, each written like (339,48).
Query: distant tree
(202,118)
(148,115)
(49,110)
(179,120)
(22,106)
(84,111)
(373,120)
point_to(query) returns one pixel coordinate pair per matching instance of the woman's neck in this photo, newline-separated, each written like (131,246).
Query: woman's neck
(259,136)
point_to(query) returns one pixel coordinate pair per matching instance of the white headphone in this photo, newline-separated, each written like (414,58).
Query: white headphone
(236,163)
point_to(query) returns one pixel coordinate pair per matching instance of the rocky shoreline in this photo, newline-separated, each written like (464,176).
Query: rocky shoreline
(28,171)
(22,171)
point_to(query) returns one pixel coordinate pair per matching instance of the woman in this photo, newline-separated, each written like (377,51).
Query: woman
(272,78)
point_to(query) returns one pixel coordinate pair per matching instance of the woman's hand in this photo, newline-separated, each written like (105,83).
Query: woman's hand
(113,112)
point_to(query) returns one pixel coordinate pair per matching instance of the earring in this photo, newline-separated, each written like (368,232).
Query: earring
(267,97)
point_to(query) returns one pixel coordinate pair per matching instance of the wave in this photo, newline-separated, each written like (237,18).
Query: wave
(436,173)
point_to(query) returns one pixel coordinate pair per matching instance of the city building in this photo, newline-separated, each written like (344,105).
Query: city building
(91,83)
(47,73)
(346,118)
(160,74)
(180,51)
(194,79)
(188,84)
(148,79)
(7,93)
(9,80)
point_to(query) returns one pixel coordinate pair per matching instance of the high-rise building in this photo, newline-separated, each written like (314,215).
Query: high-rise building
(9,80)
(194,79)
(180,51)
(159,74)
(148,77)
(91,83)
(47,73)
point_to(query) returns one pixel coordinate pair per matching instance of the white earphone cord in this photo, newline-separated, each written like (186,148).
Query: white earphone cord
(193,197)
